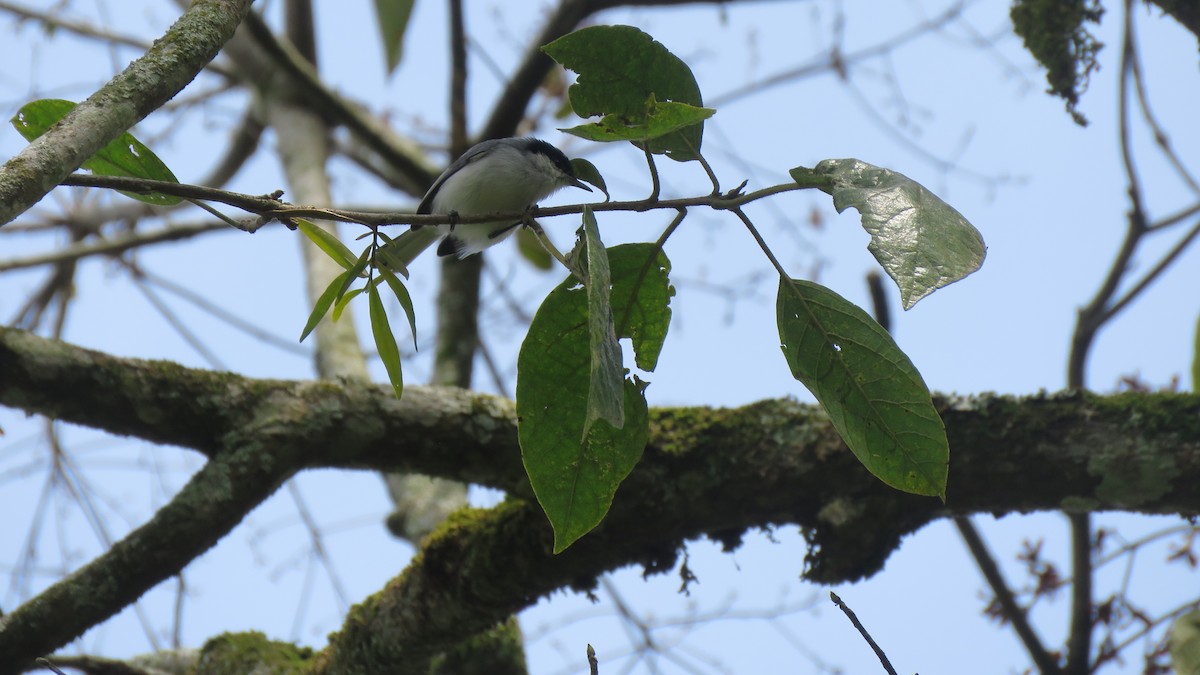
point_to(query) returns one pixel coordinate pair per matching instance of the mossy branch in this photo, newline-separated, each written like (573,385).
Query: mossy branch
(778,461)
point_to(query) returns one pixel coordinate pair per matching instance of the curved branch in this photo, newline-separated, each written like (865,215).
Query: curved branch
(146,84)
(207,508)
(779,461)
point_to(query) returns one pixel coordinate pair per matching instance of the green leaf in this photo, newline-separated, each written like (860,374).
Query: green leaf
(403,298)
(574,481)
(659,119)
(531,250)
(1185,644)
(921,241)
(588,173)
(328,242)
(392,16)
(620,68)
(334,292)
(605,396)
(342,302)
(1196,359)
(124,156)
(873,394)
(385,342)
(641,299)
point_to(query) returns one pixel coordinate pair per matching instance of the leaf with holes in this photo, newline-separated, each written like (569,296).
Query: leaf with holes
(873,394)
(620,68)
(124,156)
(921,241)
(575,481)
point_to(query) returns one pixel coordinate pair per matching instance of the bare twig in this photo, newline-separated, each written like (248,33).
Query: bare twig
(887,665)
(269,207)
(1013,612)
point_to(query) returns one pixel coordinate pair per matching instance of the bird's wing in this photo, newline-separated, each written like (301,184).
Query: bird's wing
(475,154)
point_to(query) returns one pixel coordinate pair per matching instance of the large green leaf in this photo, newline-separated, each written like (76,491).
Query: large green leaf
(921,241)
(124,156)
(874,395)
(606,400)
(392,17)
(575,481)
(620,68)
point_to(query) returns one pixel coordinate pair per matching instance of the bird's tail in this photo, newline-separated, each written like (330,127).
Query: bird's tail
(404,249)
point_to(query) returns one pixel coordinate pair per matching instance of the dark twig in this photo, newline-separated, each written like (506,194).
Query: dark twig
(458,79)
(887,665)
(593,663)
(1013,612)
(879,300)
(269,207)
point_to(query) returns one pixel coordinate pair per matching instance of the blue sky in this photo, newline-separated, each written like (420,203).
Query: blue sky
(1048,196)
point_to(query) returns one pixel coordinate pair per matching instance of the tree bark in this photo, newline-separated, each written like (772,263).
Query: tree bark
(778,461)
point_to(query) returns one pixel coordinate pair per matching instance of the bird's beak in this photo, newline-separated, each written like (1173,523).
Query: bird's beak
(575,182)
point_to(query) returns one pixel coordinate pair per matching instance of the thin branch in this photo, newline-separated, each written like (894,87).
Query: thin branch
(208,507)
(1091,317)
(458,80)
(83,28)
(883,659)
(397,151)
(1079,640)
(1152,274)
(149,81)
(113,246)
(269,207)
(1013,612)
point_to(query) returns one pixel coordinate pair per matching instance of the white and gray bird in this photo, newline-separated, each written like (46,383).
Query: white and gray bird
(501,175)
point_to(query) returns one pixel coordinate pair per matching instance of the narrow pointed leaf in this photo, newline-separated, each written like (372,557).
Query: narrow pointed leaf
(334,292)
(328,242)
(921,241)
(403,298)
(606,399)
(385,341)
(392,17)
(324,302)
(575,482)
(874,395)
(342,302)
(124,156)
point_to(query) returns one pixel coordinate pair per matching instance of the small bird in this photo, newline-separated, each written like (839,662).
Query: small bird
(501,175)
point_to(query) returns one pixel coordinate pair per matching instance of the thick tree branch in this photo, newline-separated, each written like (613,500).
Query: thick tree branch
(779,461)
(143,87)
(206,509)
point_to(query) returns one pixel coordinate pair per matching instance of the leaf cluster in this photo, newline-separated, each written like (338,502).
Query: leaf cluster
(582,413)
